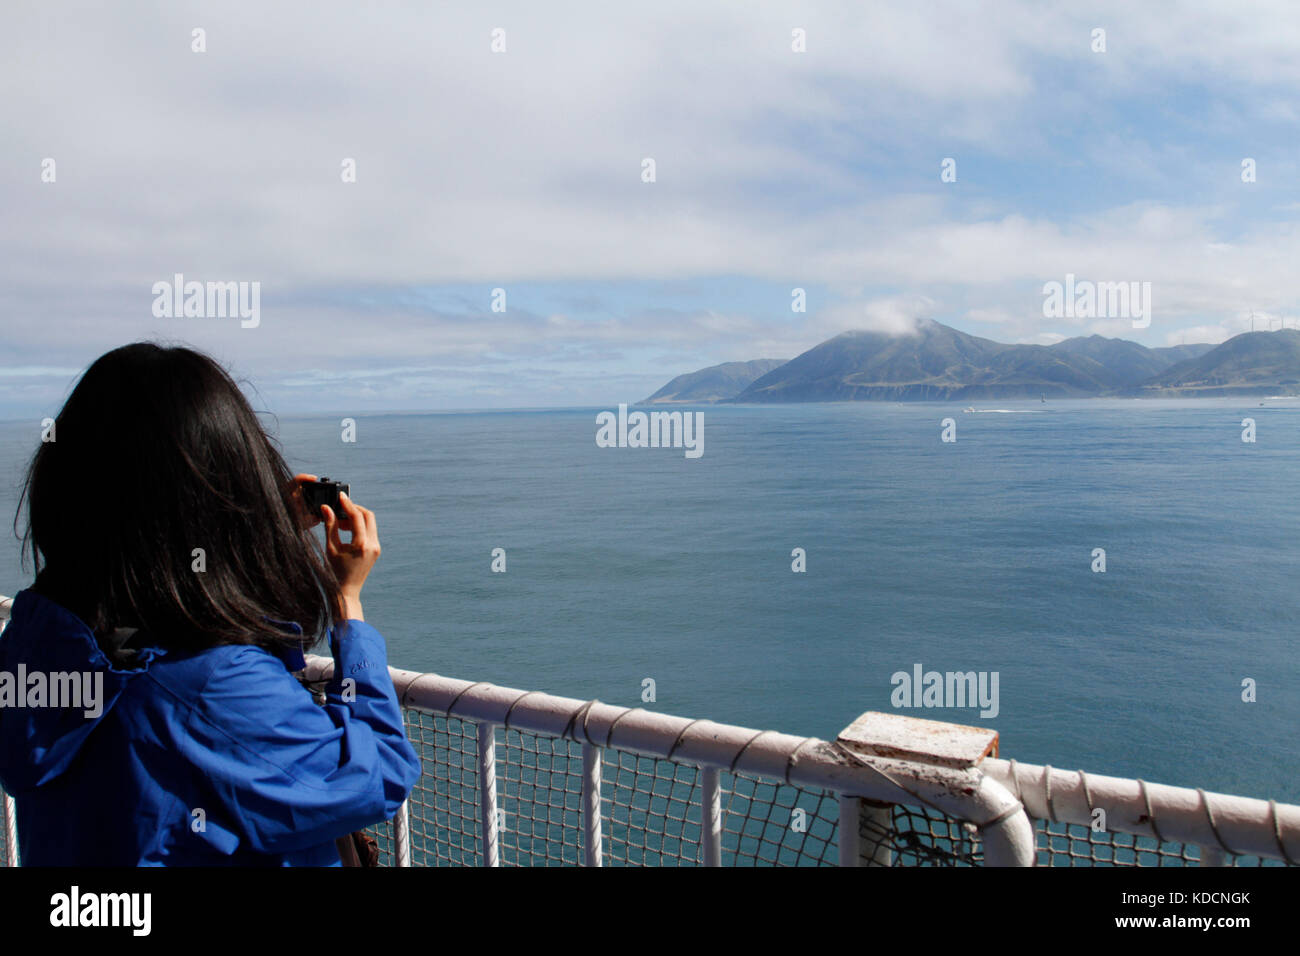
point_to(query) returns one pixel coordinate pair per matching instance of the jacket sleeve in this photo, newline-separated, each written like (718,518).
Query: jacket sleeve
(291,774)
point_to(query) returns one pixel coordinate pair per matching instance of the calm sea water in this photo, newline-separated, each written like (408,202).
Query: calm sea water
(626,564)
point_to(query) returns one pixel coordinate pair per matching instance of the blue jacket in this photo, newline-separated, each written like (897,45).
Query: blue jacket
(219,757)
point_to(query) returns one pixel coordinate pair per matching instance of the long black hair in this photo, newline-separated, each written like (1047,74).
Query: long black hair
(156,454)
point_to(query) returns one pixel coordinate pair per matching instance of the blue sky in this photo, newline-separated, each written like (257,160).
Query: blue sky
(521,170)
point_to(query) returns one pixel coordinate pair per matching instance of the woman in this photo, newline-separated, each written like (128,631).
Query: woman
(177,586)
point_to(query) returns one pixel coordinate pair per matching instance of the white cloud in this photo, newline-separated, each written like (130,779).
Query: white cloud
(1042,338)
(474,167)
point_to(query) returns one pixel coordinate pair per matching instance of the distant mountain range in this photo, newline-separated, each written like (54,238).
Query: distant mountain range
(937,362)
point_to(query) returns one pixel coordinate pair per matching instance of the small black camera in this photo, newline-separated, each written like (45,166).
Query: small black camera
(324,492)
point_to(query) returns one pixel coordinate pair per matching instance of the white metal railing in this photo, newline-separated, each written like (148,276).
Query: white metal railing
(1222,826)
(998,796)
(960,792)
(880,761)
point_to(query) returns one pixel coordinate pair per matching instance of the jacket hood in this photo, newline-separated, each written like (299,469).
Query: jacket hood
(56,685)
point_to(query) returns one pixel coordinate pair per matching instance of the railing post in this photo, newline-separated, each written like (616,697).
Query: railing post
(866,829)
(10,823)
(402,835)
(875,829)
(591,770)
(711,817)
(487,793)
(848,830)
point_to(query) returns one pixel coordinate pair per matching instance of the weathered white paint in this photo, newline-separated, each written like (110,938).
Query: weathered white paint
(591,773)
(487,793)
(711,818)
(402,835)
(11,829)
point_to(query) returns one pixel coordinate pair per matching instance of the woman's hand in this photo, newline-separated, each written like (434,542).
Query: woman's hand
(352,561)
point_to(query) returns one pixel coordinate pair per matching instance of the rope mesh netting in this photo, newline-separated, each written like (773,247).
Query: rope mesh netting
(650,809)
(650,814)
(1070,844)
